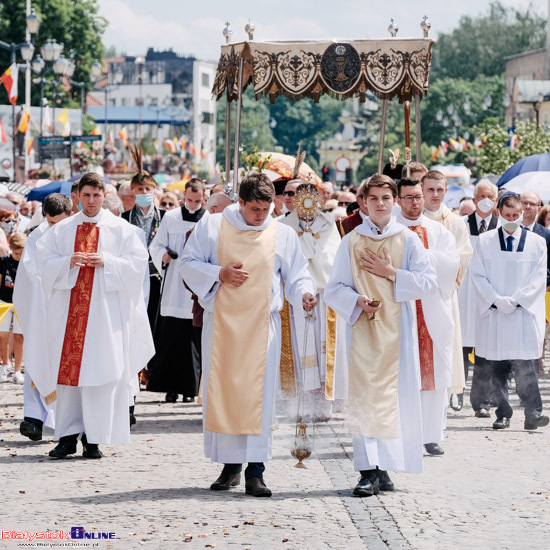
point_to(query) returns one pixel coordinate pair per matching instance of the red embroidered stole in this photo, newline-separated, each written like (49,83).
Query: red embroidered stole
(425,344)
(86,240)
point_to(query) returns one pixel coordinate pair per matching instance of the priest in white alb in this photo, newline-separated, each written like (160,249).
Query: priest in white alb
(434,313)
(236,262)
(92,267)
(30,303)
(313,353)
(508,272)
(381,266)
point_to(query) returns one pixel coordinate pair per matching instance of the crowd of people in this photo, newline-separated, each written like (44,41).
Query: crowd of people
(376,301)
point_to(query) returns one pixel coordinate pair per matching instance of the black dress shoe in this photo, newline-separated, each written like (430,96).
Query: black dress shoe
(534,422)
(132,420)
(225,481)
(434,449)
(501,423)
(66,446)
(34,433)
(256,487)
(368,485)
(91,450)
(456,401)
(187,399)
(483,413)
(384,481)
(171,397)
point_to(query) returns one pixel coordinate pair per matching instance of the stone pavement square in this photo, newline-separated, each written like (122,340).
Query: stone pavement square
(490,489)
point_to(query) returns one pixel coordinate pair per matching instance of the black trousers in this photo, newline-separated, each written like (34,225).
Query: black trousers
(154,296)
(481,391)
(254,469)
(525,372)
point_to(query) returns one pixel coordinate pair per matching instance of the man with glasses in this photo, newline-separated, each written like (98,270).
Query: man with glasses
(434,188)
(434,313)
(289,193)
(531,205)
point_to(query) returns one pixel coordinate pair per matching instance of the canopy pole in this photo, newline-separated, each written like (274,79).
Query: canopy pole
(238,129)
(227,140)
(382,135)
(408,138)
(418,119)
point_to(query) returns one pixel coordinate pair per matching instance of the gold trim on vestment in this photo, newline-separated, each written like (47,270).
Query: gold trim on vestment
(286,367)
(240,335)
(51,397)
(375,345)
(330,347)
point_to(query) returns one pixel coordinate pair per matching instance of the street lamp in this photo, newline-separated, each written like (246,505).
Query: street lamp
(51,50)
(33,22)
(439,115)
(467,107)
(139,62)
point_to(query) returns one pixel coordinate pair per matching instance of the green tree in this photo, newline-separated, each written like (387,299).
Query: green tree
(255,126)
(74,23)
(479,44)
(467,100)
(496,156)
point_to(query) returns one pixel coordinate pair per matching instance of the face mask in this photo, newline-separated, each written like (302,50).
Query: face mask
(8,226)
(510,226)
(79,206)
(486,205)
(144,200)
(192,211)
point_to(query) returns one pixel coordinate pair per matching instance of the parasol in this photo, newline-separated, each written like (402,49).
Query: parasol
(537,182)
(533,163)
(284,166)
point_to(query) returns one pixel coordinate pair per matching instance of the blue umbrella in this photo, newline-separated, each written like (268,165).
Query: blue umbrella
(40,193)
(534,163)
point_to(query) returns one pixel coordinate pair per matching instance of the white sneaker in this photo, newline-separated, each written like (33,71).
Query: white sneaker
(3,373)
(18,378)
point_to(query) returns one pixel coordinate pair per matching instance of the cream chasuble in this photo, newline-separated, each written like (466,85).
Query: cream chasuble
(375,344)
(232,410)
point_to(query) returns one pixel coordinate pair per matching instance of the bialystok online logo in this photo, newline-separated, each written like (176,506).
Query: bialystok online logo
(77,533)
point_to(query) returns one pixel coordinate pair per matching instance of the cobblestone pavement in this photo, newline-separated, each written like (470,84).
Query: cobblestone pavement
(490,489)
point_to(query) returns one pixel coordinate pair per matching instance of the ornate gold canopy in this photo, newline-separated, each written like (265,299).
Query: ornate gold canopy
(388,68)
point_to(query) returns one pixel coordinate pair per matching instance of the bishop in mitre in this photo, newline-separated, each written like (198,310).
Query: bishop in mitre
(380,268)
(312,348)
(236,262)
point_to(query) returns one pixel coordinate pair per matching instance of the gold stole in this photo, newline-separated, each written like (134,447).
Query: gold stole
(287,370)
(240,335)
(375,345)
(86,240)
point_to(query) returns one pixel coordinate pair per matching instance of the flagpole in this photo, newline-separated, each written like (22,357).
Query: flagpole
(13,118)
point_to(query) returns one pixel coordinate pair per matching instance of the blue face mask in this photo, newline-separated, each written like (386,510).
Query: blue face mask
(144,200)
(79,206)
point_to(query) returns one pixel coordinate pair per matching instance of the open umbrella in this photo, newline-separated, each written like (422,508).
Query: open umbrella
(284,166)
(538,182)
(40,193)
(533,163)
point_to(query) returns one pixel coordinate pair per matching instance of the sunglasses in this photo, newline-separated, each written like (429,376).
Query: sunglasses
(167,203)
(289,194)
(344,203)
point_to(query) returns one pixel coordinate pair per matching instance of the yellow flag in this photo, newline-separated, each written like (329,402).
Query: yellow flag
(63,118)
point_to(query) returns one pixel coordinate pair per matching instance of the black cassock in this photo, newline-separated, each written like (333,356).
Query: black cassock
(176,366)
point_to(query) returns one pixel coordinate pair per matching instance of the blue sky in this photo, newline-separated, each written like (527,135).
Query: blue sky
(196,27)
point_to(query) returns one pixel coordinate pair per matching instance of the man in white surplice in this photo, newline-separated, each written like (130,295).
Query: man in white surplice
(434,313)
(384,379)
(30,304)
(319,241)
(508,272)
(236,262)
(92,267)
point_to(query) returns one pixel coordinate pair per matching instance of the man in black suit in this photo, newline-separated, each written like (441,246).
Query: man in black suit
(482,220)
(531,205)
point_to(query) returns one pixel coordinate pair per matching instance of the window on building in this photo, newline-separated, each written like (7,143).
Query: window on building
(123,102)
(205,80)
(153,102)
(207,118)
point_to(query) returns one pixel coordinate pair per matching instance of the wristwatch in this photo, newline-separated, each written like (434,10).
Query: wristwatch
(391,278)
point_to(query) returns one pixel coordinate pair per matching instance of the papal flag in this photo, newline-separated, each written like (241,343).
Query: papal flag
(63,119)
(3,137)
(24,122)
(9,79)
(123,135)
